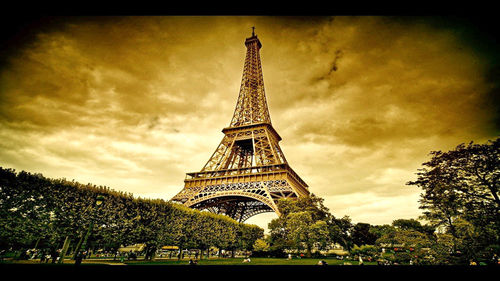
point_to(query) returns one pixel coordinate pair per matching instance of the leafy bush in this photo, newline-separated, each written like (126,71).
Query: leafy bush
(365,250)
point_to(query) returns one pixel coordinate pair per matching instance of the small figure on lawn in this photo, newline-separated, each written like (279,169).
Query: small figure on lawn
(322,262)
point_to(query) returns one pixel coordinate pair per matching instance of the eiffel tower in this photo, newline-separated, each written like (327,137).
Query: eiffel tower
(248,172)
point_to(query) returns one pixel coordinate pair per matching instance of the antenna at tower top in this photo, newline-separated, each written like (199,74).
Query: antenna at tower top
(253,30)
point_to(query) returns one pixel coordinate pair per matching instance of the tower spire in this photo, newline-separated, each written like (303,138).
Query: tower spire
(251,106)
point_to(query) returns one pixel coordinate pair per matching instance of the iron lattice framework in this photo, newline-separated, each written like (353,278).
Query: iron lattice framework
(248,171)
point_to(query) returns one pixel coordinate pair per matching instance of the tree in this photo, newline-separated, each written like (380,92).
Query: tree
(381,230)
(339,231)
(462,185)
(307,233)
(279,235)
(261,245)
(412,224)
(365,250)
(287,231)
(312,204)
(412,242)
(305,223)
(249,235)
(361,234)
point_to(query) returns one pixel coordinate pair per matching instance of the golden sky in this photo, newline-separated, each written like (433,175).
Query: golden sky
(134,103)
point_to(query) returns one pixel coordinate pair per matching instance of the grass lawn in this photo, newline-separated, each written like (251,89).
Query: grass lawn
(254,261)
(211,261)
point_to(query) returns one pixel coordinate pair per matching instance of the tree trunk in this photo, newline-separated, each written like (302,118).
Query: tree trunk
(308,253)
(36,244)
(453,234)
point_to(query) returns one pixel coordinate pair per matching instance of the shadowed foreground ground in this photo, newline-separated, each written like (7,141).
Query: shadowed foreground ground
(166,270)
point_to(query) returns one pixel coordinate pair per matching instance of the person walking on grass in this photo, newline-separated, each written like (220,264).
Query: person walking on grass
(360,261)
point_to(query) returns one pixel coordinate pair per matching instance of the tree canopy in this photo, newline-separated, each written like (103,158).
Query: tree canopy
(37,210)
(461,196)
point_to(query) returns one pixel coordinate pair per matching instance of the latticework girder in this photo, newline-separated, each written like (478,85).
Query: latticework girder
(248,171)
(238,208)
(251,106)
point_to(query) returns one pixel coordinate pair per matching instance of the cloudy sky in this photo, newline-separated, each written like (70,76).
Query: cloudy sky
(134,103)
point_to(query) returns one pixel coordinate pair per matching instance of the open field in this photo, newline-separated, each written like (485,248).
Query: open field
(254,261)
(280,268)
(234,268)
(211,261)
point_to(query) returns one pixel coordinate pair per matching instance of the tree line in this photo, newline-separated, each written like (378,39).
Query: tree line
(461,211)
(40,212)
